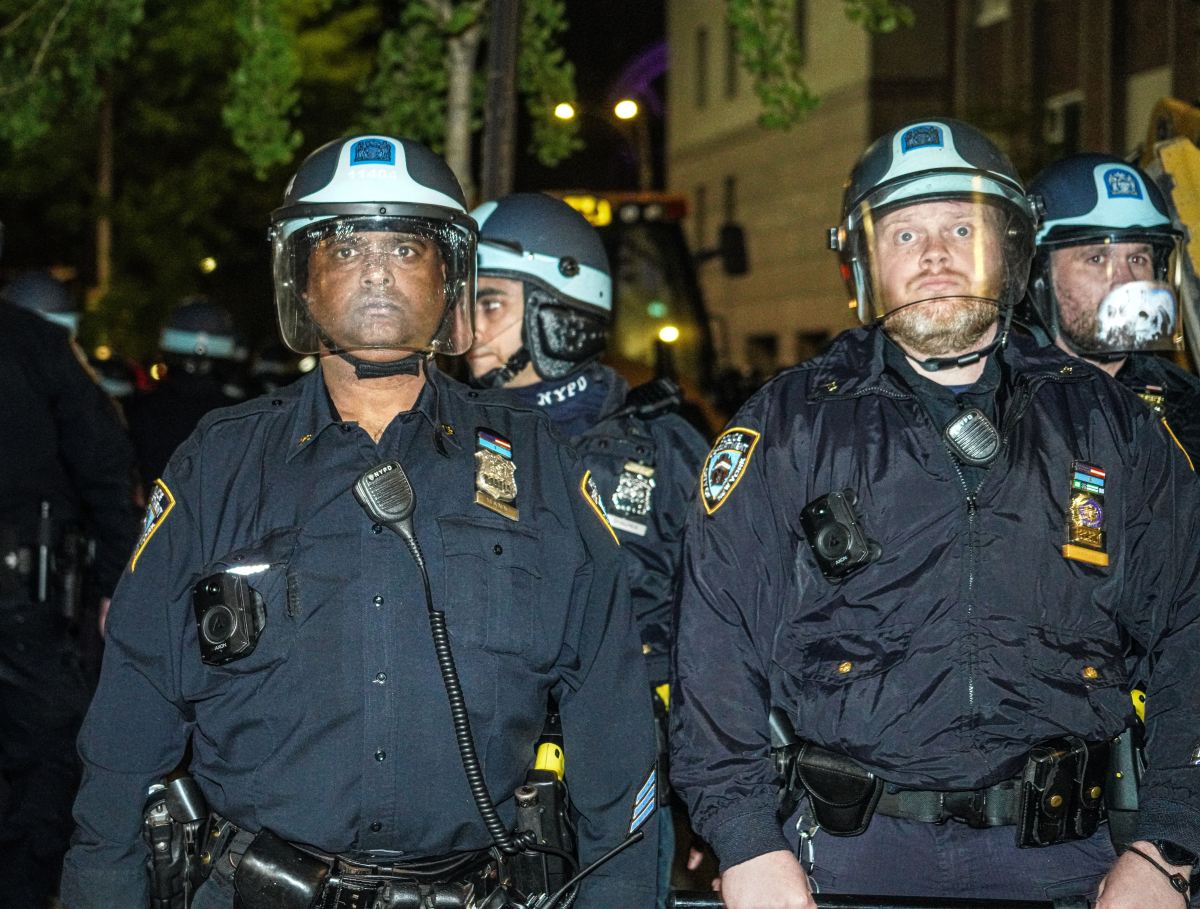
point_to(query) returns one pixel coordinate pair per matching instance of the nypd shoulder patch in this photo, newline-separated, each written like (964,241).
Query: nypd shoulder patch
(725,465)
(646,801)
(591,492)
(157,508)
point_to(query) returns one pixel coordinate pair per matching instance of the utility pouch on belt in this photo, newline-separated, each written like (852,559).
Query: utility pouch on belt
(274,873)
(843,794)
(1062,791)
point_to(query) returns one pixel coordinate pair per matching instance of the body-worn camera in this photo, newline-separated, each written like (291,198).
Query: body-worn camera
(230,616)
(836,536)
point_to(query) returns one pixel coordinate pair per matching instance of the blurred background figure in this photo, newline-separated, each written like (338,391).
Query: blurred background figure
(201,368)
(40,292)
(67,526)
(274,365)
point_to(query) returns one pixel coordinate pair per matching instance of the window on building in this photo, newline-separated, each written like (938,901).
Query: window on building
(810,343)
(1064,115)
(801,28)
(991,12)
(762,355)
(733,66)
(700,217)
(729,206)
(702,67)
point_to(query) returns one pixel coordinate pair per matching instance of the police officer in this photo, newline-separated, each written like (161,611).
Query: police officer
(42,293)
(1105,281)
(66,474)
(200,358)
(320,723)
(921,555)
(543,309)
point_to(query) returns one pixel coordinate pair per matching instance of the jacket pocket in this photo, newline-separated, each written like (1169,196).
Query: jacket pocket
(266,566)
(492,584)
(1080,674)
(843,684)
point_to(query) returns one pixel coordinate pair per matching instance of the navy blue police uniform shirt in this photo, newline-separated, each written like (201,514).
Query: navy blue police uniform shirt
(1004,609)
(63,444)
(646,469)
(335,731)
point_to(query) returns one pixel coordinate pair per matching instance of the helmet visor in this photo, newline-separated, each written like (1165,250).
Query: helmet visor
(1118,292)
(939,237)
(381,282)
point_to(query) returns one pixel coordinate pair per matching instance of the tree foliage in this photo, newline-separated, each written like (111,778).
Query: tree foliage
(765,40)
(53,54)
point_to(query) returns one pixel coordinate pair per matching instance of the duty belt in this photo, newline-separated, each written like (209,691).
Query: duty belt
(995,806)
(268,869)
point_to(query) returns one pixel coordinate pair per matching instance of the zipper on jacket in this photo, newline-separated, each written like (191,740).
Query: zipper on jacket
(972,515)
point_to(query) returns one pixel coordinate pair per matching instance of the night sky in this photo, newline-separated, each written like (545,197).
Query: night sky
(603,40)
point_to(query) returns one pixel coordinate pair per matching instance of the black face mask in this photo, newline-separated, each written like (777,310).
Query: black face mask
(560,338)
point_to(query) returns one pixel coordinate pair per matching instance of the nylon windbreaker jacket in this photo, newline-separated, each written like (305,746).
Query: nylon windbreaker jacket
(973,636)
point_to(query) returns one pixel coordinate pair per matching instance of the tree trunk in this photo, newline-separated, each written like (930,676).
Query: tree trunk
(500,107)
(462,51)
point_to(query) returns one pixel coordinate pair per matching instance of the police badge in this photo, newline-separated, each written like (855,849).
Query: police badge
(1085,516)
(495,474)
(631,500)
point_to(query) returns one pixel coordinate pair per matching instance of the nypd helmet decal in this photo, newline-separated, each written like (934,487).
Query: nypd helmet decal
(924,136)
(372,151)
(1122,183)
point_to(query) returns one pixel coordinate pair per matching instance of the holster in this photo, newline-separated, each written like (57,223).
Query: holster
(1062,791)
(841,792)
(173,818)
(542,812)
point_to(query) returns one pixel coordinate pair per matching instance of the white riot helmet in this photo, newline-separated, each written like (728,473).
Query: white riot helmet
(372,202)
(930,161)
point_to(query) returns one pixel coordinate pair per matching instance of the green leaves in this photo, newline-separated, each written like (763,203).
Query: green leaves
(765,39)
(263,93)
(546,78)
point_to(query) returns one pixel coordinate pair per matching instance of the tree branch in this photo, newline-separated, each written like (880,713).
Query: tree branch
(40,56)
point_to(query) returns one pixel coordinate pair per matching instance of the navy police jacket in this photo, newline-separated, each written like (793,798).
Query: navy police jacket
(645,468)
(335,731)
(994,618)
(1173,395)
(63,444)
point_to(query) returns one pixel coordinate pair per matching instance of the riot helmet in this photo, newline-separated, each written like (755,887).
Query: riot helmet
(42,293)
(988,223)
(198,328)
(373,250)
(1106,275)
(560,261)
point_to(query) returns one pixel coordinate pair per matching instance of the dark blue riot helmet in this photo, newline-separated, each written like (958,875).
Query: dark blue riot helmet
(1092,203)
(561,261)
(40,292)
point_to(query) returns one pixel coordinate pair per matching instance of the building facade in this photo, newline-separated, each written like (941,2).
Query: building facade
(1044,77)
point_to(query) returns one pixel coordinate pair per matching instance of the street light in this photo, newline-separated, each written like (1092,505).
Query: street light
(564,110)
(626,109)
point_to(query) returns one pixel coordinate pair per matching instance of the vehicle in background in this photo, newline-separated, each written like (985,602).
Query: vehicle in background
(660,324)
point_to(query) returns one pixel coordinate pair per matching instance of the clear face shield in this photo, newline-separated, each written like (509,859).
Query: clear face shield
(1118,293)
(947,237)
(350,282)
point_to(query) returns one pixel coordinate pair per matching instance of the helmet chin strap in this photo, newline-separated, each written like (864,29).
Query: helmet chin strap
(368,369)
(501,376)
(935,364)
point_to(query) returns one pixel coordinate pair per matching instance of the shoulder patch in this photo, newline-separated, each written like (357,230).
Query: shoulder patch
(591,492)
(160,505)
(725,465)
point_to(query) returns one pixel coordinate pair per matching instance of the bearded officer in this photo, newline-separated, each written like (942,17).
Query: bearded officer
(327,734)
(1105,283)
(926,560)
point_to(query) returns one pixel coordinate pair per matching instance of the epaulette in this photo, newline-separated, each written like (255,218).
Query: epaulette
(653,399)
